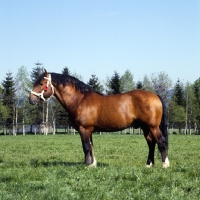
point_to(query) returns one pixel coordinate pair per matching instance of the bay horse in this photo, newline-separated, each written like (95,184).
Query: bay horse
(90,111)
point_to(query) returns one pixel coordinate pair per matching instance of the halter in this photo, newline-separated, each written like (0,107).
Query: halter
(40,95)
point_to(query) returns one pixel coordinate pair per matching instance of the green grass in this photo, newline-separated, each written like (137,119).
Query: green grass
(51,167)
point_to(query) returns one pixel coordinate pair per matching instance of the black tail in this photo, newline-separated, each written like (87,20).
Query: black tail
(164,121)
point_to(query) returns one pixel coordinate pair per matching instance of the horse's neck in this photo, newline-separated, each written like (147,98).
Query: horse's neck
(68,97)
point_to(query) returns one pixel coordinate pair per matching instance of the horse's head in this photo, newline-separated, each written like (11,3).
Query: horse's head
(43,89)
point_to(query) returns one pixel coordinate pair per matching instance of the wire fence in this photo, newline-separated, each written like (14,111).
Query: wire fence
(44,129)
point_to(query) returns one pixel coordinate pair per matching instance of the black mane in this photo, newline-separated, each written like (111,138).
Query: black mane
(66,80)
(38,80)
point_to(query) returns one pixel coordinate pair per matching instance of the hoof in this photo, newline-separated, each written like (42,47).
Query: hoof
(94,164)
(150,165)
(166,164)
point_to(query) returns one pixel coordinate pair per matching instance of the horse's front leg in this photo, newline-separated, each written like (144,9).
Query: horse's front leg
(86,138)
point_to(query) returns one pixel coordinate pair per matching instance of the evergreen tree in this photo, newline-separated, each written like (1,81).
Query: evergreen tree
(9,96)
(66,71)
(179,96)
(177,111)
(95,84)
(139,85)
(8,90)
(3,109)
(114,84)
(36,71)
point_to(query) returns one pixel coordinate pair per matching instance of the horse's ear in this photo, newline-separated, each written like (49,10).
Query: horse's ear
(45,72)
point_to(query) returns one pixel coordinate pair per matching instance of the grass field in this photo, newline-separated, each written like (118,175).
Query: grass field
(51,167)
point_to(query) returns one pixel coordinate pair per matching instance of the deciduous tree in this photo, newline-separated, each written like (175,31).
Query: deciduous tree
(126,82)
(23,87)
(176,115)
(161,85)
(146,83)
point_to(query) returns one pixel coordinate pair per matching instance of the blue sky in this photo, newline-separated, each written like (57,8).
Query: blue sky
(99,37)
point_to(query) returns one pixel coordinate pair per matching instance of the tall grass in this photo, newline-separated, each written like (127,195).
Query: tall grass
(51,167)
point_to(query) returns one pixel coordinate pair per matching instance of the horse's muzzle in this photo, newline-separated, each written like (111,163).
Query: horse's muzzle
(33,101)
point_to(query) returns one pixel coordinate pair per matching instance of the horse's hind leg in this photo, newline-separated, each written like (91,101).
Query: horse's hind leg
(162,145)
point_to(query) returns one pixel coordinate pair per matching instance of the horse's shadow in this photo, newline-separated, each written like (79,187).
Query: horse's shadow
(60,163)
(37,163)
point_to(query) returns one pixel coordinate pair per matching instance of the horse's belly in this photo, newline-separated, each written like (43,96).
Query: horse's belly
(114,123)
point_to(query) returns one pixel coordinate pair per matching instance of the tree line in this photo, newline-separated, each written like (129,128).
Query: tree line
(182,100)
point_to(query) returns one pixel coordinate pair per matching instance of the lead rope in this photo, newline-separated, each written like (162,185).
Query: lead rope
(40,95)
